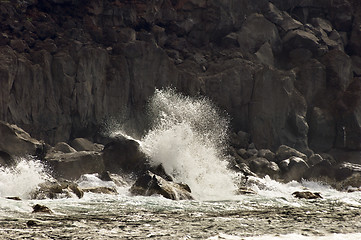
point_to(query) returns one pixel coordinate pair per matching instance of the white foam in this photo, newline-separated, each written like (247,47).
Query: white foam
(188,138)
(22,178)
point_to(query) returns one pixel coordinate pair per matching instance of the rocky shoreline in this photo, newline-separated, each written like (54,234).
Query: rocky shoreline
(122,157)
(287,72)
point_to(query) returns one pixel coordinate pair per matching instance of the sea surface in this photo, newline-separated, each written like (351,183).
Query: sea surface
(188,136)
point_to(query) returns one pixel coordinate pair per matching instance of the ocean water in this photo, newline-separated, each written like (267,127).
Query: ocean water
(188,137)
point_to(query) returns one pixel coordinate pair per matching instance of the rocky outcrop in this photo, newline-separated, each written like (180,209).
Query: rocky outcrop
(149,184)
(15,142)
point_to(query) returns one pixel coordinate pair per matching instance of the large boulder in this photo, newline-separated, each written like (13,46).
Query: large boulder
(56,189)
(15,142)
(293,168)
(285,152)
(74,164)
(149,184)
(124,155)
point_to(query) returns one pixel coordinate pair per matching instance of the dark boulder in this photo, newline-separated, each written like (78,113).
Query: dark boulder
(41,209)
(285,152)
(307,195)
(124,154)
(293,168)
(15,142)
(57,189)
(73,165)
(149,184)
(263,167)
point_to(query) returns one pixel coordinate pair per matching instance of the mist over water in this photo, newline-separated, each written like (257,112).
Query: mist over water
(188,137)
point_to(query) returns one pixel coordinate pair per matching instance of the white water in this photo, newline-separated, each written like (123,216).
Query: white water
(188,138)
(22,178)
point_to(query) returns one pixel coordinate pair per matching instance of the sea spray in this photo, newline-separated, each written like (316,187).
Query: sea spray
(22,178)
(188,137)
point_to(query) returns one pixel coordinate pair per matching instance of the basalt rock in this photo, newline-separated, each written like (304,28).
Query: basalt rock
(41,209)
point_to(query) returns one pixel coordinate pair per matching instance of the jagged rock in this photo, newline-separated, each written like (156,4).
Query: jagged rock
(41,209)
(281,18)
(322,23)
(263,167)
(15,142)
(73,165)
(57,189)
(124,154)
(285,152)
(265,55)
(149,184)
(245,170)
(307,195)
(83,144)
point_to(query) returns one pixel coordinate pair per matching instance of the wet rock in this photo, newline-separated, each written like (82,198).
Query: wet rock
(83,144)
(14,198)
(149,184)
(307,195)
(118,180)
(124,154)
(73,165)
(32,223)
(293,168)
(103,190)
(245,191)
(41,209)
(245,170)
(285,152)
(57,189)
(15,142)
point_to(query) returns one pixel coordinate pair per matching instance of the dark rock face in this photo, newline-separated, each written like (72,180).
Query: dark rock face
(149,184)
(285,71)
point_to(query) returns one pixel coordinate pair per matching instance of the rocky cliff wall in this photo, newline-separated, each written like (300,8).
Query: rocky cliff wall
(287,72)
